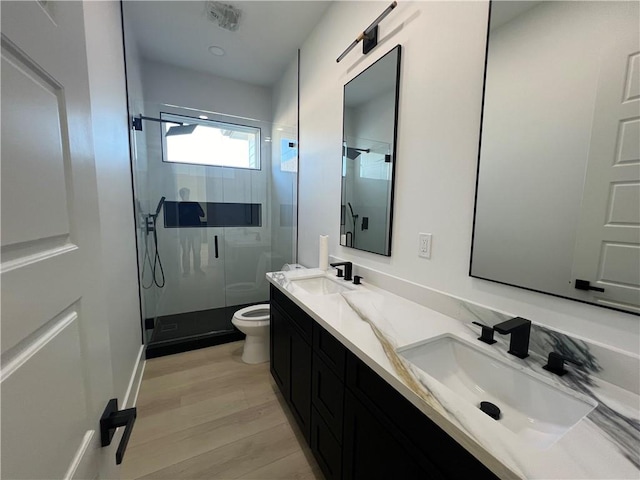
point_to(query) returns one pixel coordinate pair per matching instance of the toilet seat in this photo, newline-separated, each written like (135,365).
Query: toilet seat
(255,315)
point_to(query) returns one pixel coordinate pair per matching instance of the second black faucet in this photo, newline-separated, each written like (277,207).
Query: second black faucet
(520,330)
(348,269)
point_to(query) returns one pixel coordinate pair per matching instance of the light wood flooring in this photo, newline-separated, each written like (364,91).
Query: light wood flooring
(206,415)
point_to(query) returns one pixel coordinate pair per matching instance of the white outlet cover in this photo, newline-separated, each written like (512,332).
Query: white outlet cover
(424,245)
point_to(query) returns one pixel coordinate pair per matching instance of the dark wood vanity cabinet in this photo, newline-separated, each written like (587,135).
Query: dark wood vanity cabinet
(358,426)
(280,350)
(372,451)
(290,347)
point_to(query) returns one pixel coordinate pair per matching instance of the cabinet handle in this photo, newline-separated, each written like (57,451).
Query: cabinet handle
(111,419)
(215,245)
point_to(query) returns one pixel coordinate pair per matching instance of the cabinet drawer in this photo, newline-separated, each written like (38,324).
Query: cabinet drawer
(327,395)
(325,447)
(330,350)
(298,318)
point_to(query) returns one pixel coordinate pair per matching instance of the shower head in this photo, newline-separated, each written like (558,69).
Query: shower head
(352,153)
(181,130)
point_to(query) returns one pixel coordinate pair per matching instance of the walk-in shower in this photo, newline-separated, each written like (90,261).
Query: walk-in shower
(214,149)
(225,217)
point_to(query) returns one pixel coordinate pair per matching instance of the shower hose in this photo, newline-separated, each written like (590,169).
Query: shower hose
(156,265)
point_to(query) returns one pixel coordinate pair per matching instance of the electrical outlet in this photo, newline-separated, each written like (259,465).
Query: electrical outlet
(424,245)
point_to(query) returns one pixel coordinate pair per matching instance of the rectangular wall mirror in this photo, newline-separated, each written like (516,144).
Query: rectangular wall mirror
(370,119)
(558,192)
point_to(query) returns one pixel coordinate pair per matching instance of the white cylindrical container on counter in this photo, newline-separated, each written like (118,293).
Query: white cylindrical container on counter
(323,255)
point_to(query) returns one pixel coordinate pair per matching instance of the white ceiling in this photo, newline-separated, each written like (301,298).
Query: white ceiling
(179,33)
(505,11)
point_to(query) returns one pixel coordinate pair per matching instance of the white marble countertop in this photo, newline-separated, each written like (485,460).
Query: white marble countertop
(586,451)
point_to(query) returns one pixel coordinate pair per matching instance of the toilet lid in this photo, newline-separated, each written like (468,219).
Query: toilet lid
(254,313)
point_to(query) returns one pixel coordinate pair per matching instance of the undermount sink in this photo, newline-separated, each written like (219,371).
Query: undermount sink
(537,412)
(320,285)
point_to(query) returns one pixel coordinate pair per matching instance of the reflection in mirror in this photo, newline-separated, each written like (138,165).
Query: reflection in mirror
(368,155)
(558,193)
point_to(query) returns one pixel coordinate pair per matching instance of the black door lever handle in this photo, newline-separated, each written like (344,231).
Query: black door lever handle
(586,285)
(111,419)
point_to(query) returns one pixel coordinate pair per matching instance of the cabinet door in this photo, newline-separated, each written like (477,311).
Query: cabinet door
(325,447)
(371,451)
(280,350)
(300,399)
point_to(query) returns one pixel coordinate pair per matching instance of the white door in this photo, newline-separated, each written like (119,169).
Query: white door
(608,242)
(56,371)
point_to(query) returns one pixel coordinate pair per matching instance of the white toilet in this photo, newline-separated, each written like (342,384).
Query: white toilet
(253,321)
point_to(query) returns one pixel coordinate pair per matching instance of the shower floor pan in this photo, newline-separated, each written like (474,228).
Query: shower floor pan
(192,330)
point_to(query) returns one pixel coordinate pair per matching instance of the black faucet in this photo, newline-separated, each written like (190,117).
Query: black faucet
(520,329)
(348,269)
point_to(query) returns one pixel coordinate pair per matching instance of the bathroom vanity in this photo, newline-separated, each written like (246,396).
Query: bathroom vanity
(363,419)
(357,425)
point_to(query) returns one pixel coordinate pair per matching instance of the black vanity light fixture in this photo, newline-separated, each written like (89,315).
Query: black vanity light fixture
(369,36)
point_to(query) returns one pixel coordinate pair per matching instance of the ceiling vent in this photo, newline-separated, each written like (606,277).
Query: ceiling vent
(225,15)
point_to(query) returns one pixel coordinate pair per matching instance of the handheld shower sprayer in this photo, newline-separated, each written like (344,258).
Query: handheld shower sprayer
(150,227)
(354,216)
(160,203)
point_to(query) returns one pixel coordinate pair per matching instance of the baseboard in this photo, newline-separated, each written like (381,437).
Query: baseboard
(131,397)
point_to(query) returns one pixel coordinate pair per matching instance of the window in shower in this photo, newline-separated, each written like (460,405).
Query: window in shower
(210,142)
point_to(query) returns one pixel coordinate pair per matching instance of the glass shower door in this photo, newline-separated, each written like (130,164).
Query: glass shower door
(227,218)
(247,247)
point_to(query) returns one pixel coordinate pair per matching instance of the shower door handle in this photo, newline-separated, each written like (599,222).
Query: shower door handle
(215,245)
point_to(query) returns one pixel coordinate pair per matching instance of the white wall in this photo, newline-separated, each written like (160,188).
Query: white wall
(138,147)
(192,89)
(439,120)
(110,134)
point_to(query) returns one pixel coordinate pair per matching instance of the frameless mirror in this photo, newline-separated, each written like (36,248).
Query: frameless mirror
(558,192)
(368,155)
